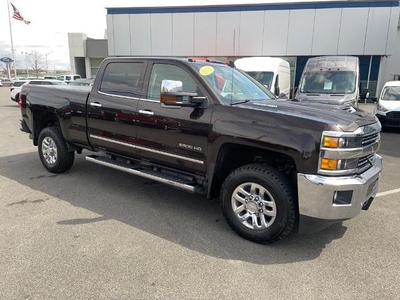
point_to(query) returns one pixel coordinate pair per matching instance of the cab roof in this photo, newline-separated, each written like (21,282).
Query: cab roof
(327,63)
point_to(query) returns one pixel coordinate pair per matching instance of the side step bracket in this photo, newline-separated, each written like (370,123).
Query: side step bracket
(146,173)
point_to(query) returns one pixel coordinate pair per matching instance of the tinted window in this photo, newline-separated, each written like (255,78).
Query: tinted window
(35,82)
(67,77)
(122,79)
(18,83)
(76,77)
(46,83)
(161,72)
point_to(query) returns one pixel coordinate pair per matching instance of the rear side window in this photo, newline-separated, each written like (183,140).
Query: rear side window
(76,77)
(122,79)
(46,83)
(18,83)
(35,82)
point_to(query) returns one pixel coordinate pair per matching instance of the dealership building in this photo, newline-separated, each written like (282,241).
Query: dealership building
(294,31)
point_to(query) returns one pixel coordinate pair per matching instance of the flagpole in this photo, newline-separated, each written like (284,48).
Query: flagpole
(12,43)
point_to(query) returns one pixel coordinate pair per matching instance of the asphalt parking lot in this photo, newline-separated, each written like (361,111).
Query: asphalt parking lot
(97,233)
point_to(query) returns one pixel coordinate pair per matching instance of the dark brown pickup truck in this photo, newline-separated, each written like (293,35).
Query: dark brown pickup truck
(205,127)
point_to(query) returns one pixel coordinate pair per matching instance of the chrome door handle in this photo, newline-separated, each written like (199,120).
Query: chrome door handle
(146,112)
(95,104)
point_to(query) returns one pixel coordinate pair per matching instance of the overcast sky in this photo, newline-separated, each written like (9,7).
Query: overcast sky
(52,20)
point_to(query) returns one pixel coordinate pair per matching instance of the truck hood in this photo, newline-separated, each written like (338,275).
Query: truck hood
(335,99)
(344,117)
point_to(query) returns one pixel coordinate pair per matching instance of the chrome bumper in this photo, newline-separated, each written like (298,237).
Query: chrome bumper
(316,194)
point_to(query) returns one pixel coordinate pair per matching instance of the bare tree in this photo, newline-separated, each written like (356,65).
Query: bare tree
(36,62)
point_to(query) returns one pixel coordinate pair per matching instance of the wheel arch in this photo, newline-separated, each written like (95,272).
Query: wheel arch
(232,156)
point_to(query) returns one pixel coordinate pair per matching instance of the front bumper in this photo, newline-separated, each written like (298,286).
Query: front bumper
(389,120)
(316,194)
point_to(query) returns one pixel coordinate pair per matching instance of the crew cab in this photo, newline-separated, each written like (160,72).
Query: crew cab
(277,166)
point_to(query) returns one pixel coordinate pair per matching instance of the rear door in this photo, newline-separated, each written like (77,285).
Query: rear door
(175,137)
(111,107)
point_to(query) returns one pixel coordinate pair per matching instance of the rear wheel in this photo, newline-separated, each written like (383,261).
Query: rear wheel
(53,151)
(258,203)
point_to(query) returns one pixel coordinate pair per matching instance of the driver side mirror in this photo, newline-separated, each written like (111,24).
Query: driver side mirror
(172,95)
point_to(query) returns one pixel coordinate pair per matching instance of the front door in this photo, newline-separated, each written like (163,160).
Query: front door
(177,136)
(112,107)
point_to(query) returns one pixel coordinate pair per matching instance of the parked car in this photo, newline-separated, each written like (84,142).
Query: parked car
(276,166)
(387,108)
(16,88)
(82,82)
(272,72)
(330,80)
(1,84)
(68,78)
(50,77)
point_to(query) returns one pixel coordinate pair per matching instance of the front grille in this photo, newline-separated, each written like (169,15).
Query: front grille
(365,162)
(393,115)
(370,139)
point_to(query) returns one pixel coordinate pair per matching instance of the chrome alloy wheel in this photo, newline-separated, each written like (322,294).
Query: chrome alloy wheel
(49,150)
(254,206)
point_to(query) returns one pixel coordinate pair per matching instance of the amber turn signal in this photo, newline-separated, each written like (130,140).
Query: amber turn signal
(331,142)
(329,164)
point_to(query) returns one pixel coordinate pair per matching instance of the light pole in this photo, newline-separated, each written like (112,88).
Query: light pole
(26,62)
(47,67)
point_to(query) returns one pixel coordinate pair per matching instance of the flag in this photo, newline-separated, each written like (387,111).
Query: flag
(18,16)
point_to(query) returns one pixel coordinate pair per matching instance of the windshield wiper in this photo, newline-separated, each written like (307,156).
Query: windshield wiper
(239,102)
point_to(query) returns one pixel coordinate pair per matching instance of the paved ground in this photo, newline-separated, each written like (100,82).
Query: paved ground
(97,233)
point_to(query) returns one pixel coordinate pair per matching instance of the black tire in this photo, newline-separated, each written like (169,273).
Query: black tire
(283,195)
(63,159)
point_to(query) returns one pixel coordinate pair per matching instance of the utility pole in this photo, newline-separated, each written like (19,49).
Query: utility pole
(47,67)
(26,63)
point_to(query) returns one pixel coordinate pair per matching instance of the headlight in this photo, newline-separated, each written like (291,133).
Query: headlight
(381,108)
(347,153)
(341,142)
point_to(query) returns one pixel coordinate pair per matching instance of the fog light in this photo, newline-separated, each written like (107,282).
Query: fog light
(342,197)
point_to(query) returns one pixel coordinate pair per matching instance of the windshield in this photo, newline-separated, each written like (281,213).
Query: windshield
(232,85)
(391,93)
(265,78)
(329,82)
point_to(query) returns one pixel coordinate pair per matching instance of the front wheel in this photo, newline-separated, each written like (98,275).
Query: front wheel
(53,151)
(258,203)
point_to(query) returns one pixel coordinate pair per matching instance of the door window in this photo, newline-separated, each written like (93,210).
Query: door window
(122,79)
(162,72)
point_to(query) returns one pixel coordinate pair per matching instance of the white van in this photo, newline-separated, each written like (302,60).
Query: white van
(330,80)
(272,72)
(68,78)
(387,109)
